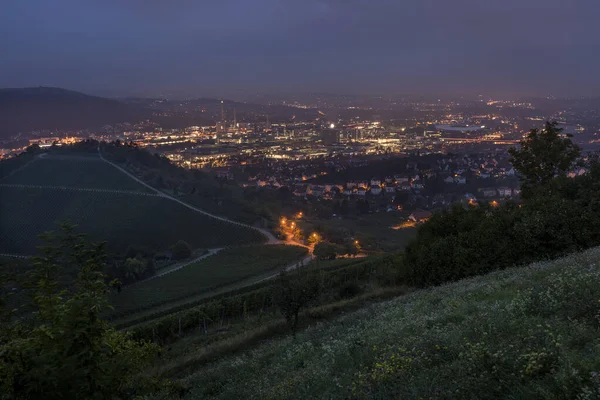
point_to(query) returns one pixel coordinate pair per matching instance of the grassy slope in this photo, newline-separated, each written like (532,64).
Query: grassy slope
(227,266)
(119,218)
(530,332)
(90,172)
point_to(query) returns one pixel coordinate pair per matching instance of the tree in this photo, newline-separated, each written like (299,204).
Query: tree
(296,290)
(181,250)
(351,248)
(325,250)
(64,349)
(134,269)
(543,155)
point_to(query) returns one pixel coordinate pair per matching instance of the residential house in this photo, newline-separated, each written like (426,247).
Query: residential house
(375,182)
(460,180)
(449,180)
(390,189)
(505,191)
(418,185)
(401,179)
(489,192)
(376,190)
(470,197)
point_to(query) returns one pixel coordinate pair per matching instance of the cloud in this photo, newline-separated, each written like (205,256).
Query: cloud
(358,44)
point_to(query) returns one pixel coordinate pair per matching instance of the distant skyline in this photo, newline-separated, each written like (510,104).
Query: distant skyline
(196,48)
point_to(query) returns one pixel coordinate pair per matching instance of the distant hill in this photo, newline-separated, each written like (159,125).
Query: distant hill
(27,109)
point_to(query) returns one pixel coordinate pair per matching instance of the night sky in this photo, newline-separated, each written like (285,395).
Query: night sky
(195,48)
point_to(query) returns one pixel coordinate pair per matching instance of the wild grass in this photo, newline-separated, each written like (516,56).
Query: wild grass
(531,332)
(227,266)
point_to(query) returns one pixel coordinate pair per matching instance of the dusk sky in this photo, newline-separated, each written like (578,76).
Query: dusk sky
(197,48)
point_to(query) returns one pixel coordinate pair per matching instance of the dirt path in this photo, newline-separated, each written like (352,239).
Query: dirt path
(179,266)
(271,238)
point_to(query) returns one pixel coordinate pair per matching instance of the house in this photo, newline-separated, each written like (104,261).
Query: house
(300,191)
(390,189)
(401,179)
(389,180)
(405,187)
(417,185)
(419,216)
(363,185)
(461,180)
(511,172)
(489,192)
(577,172)
(505,191)
(470,197)
(350,185)
(375,182)
(484,175)
(449,180)
(375,190)
(361,192)
(347,192)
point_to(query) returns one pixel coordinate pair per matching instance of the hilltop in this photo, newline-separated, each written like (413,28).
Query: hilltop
(27,109)
(527,332)
(105,203)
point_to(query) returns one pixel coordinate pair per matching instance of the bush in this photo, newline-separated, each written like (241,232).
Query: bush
(464,242)
(64,349)
(181,250)
(326,251)
(350,290)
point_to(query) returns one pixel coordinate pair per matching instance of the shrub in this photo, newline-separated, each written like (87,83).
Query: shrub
(350,290)
(181,250)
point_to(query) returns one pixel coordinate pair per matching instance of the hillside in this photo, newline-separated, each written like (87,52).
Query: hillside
(106,204)
(529,332)
(27,109)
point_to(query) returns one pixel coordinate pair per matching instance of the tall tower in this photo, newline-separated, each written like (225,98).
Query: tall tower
(268,123)
(222,115)
(234,119)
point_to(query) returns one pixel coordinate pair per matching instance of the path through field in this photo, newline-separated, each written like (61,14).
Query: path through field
(271,238)
(178,266)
